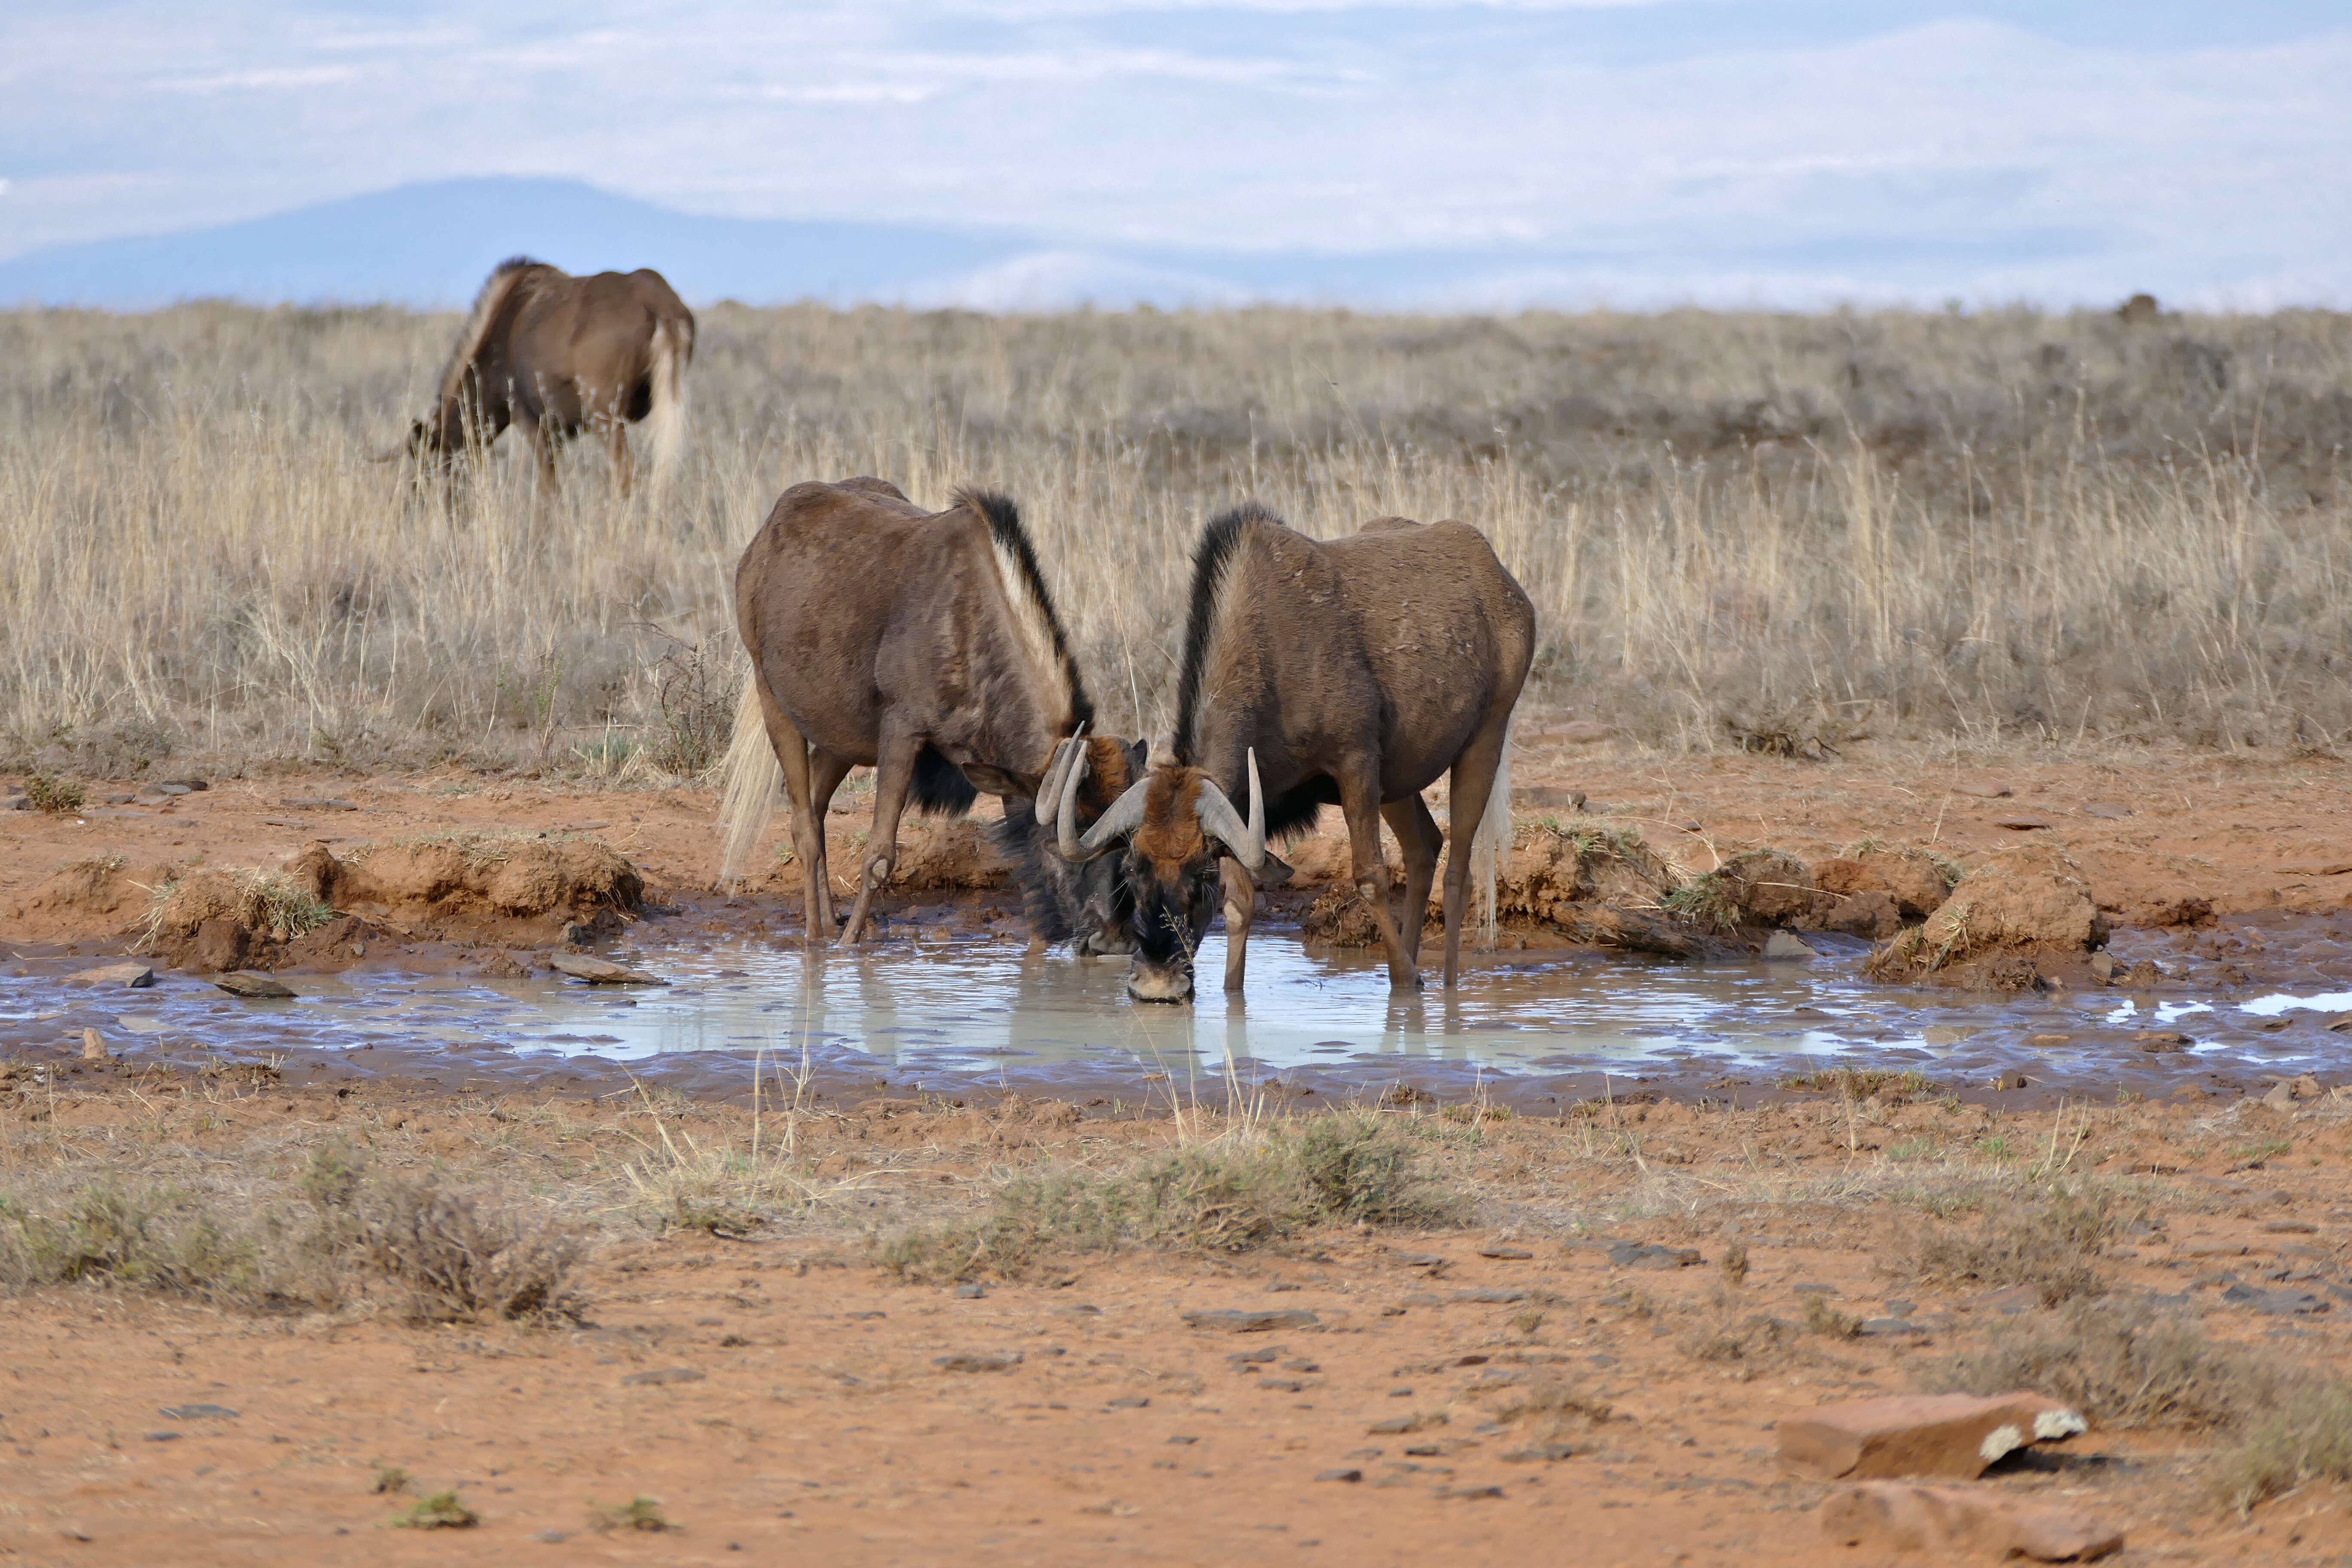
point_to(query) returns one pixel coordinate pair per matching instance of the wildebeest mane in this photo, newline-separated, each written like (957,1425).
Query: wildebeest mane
(1012,540)
(1293,811)
(490,304)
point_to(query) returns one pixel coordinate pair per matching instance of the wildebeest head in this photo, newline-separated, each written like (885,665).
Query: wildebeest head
(1173,826)
(1084,903)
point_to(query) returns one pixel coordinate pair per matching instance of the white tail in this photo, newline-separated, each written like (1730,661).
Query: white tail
(673,348)
(1493,842)
(748,784)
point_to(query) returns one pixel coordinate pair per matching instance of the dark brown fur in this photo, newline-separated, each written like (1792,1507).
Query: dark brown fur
(1358,670)
(922,645)
(555,355)
(1085,904)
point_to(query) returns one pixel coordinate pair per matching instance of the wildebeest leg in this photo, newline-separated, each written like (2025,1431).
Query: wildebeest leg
(1240,903)
(1360,803)
(624,464)
(893,774)
(808,826)
(825,773)
(1474,781)
(1418,838)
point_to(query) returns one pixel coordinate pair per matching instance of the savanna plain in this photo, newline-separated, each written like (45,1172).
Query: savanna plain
(1997,655)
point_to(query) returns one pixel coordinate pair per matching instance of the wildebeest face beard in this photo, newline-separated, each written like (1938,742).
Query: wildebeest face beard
(1172,907)
(1106,917)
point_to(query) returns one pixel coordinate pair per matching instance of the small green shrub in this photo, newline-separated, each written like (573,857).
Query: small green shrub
(56,796)
(442,1510)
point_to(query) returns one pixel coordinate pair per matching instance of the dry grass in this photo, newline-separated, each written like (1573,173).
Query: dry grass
(1766,530)
(1249,1187)
(2053,1244)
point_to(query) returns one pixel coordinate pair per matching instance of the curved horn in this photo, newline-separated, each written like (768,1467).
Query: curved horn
(1049,788)
(1245,842)
(1125,815)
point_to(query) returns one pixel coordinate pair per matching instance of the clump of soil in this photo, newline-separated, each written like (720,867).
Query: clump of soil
(477,887)
(103,892)
(2020,910)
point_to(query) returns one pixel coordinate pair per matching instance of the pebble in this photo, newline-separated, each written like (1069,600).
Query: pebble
(1542,1453)
(197,1411)
(1788,944)
(1342,1475)
(663,1375)
(1507,1253)
(977,1363)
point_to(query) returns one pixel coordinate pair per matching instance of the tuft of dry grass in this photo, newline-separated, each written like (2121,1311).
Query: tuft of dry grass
(2053,1244)
(2121,1364)
(1245,1189)
(440,1511)
(1779,533)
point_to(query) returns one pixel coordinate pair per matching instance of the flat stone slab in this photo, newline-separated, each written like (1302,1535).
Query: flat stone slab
(1893,1517)
(1634,1254)
(599,971)
(1248,1323)
(251,983)
(132,974)
(1955,1434)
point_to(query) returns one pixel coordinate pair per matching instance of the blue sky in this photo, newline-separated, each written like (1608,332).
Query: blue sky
(1635,153)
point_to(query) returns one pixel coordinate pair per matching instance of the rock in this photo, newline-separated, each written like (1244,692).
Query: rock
(2274,1303)
(1552,797)
(1893,1517)
(1397,1423)
(2280,1098)
(127,975)
(599,971)
(1984,789)
(1954,1435)
(196,1412)
(1542,1453)
(247,983)
(1491,1296)
(2306,1086)
(2317,868)
(977,1363)
(1871,913)
(2162,1040)
(1349,1475)
(311,802)
(2103,966)
(969,1290)
(662,1375)
(2140,976)
(1786,944)
(2048,1042)
(219,944)
(2111,810)
(93,1046)
(1635,1255)
(2020,823)
(1507,1253)
(1242,1321)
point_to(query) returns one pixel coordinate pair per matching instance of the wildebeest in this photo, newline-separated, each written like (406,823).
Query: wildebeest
(1351,672)
(927,646)
(553,354)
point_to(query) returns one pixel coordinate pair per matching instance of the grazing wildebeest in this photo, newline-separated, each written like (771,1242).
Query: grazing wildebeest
(1352,671)
(552,354)
(926,647)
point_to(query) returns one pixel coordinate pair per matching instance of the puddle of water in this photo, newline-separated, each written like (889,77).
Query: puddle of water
(986,1011)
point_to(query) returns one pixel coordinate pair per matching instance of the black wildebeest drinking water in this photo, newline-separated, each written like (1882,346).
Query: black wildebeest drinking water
(553,354)
(1352,671)
(926,647)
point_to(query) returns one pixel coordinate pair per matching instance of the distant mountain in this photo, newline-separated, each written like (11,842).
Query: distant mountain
(433,244)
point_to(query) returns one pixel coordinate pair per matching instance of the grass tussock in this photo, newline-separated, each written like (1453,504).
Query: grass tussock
(1771,532)
(268,902)
(356,1237)
(48,791)
(437,1511)
(2053,1244)
(1247,1189)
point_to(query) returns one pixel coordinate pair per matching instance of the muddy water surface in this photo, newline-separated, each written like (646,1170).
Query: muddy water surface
(959,1015)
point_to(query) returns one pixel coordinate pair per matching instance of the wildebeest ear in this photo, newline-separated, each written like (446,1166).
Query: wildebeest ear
(1138,755)
(1274,873)
(996,781)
